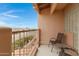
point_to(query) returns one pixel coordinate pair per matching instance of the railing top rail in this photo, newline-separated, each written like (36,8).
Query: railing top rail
(31,42)
(13,32)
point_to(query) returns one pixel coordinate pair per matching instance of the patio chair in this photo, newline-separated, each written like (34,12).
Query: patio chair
(66,51)
(58,40)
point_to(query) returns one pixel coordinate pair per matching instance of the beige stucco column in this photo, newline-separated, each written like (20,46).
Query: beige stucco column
(5,41)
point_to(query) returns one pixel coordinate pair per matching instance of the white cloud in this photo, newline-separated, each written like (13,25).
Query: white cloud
(9,14)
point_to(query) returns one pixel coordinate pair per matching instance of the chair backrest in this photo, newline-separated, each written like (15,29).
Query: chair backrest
(60,37)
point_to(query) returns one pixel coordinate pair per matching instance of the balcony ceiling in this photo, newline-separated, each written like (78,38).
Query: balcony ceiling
(41,6)
(52,6)
(61,6)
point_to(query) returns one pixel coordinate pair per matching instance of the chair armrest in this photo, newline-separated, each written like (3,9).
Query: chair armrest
(52,39)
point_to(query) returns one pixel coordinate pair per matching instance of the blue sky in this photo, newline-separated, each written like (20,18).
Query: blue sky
(18,15)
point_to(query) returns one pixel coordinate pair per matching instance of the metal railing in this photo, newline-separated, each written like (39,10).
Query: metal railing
(24,42)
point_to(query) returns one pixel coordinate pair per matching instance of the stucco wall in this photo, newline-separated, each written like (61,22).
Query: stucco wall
(50,25)
(5,41)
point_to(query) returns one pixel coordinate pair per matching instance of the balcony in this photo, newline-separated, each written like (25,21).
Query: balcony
(26,42)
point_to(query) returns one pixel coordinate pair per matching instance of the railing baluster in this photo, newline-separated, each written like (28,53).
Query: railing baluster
(27,42)
(13,44)
(24,43)
(20,44)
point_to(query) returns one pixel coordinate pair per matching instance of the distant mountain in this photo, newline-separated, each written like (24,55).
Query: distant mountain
(19,29)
